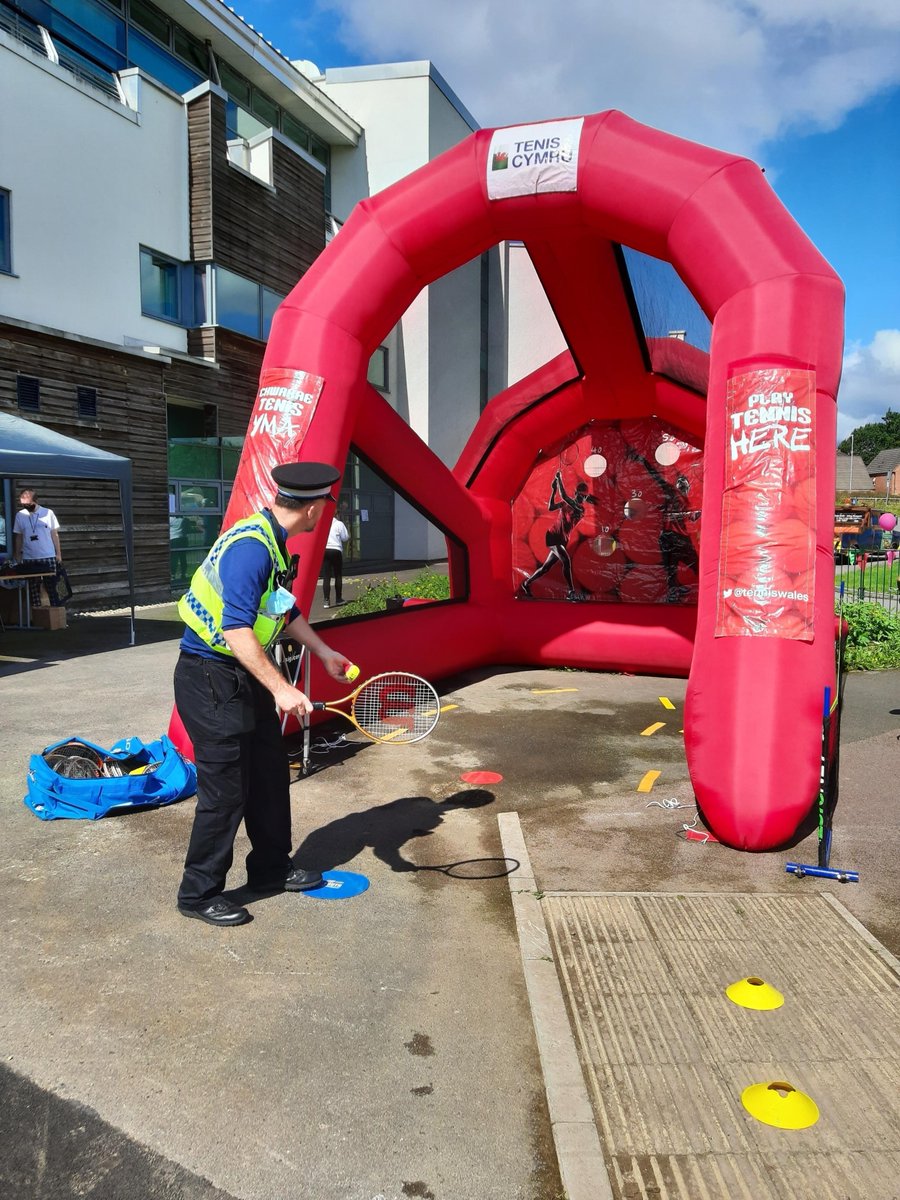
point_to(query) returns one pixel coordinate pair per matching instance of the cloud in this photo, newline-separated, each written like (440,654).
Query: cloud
(870,384)
(731,73)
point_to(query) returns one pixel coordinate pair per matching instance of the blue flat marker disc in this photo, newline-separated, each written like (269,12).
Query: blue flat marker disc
(339,885)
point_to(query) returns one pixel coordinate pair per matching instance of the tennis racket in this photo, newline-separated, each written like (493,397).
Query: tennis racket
(74,760)
(395,707)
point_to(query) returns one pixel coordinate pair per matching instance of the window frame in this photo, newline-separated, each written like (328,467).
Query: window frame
(5,231)
(168,260)
(190,289)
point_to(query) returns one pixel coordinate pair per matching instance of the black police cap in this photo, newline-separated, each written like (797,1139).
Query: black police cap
(306,480)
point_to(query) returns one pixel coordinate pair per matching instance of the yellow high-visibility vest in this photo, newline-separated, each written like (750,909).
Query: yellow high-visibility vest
(202,606)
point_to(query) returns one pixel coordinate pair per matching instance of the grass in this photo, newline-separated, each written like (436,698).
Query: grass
(373,596)
(873,640)
(878,576)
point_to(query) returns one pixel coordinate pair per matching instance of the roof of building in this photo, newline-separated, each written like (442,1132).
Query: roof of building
(851,474)
(885,461)
(402,70)
(250,52)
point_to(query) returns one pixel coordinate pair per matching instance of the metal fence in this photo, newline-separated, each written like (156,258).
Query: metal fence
(876,579)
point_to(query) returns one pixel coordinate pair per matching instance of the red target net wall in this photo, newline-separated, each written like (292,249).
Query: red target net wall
(612,515)
(603,514)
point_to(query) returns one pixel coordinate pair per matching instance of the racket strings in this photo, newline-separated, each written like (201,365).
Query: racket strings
(396,708)
(75,760)
(73,766)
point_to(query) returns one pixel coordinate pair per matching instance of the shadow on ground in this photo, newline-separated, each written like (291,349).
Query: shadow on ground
(30,649)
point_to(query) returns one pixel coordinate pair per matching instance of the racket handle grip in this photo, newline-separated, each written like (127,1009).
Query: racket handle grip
(318,705)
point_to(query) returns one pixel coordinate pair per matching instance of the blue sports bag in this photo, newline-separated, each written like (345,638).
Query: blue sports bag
(78,779)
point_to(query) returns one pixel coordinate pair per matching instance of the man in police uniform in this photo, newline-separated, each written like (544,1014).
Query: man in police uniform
(226,690)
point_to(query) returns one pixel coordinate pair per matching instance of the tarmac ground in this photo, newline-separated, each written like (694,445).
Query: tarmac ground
(376,1048)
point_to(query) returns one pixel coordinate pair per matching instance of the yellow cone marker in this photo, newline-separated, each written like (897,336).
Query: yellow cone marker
(754,992)
(780,1104)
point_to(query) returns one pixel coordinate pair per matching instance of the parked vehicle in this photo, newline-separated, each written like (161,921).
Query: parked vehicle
(856,529)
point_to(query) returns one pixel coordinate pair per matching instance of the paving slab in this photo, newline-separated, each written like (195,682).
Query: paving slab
(667,1055)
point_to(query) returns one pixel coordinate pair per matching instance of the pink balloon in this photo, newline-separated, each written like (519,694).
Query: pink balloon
(887,521)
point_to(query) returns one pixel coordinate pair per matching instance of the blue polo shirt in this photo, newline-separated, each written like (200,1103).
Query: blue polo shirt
(244,568)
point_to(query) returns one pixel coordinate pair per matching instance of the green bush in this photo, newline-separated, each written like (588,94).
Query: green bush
(873,639)
(373,597)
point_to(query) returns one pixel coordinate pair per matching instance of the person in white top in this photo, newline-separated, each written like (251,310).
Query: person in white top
(36,543)
(333,563)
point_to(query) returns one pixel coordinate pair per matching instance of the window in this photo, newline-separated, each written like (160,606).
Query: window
(241,123)
(160,292)
(237,87)
(378,369)
(242,305)
(172,290)
(193,52)
(28,393)
(265,109)
(152,58)
(150,19)
(270,301)
(237,303)
(87,17)
(5,233)
(87,403)
(249,111)
(295,131)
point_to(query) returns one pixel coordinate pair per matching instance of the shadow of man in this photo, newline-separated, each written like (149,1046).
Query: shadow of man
(384,828)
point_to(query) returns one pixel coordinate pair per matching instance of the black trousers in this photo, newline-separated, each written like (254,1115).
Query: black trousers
(242,772)
(333,564)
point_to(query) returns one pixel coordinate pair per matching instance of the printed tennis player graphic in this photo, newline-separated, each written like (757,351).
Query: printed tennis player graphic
(675,545)
(395,707)
(571,509)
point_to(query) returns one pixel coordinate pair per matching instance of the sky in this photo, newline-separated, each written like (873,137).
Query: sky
(810,89)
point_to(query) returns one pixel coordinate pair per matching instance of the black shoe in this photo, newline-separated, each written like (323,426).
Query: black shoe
(303,881)
(297,880)
(217,911)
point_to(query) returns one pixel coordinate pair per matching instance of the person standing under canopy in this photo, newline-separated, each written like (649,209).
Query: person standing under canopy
(36,542)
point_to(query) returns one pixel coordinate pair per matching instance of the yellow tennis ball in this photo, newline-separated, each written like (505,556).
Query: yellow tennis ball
(352,672)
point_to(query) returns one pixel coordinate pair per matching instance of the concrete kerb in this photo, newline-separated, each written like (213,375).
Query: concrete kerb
(575,1137)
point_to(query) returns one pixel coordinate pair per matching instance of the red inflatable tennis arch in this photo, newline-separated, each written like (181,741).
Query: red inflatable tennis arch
(759,644)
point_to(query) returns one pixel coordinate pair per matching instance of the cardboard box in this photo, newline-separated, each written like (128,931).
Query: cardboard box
(46,617)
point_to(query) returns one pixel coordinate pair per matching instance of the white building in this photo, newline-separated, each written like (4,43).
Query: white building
(166,176)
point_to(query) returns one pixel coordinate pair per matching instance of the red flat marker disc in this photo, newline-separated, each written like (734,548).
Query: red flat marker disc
(481,777)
